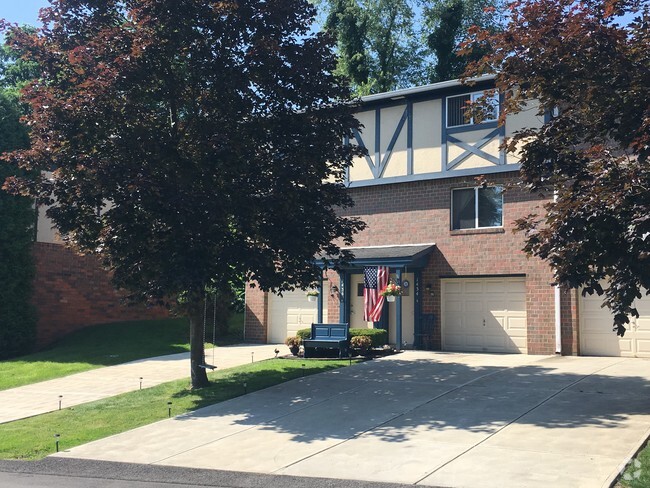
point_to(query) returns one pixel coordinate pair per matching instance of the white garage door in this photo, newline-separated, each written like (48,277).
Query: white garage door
(597,338)
(289,313)
(484,314)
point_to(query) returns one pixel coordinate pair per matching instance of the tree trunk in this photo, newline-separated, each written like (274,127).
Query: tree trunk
(197,354)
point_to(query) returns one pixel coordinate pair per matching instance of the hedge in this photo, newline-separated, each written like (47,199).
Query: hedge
(379,337)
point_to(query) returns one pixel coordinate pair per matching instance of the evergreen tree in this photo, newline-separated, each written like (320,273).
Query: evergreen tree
(17,218)
(447,23)
(378,45)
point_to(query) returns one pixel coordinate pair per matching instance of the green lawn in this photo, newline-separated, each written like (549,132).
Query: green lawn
(101,345)
(107,345)
(32,438)
(637,474)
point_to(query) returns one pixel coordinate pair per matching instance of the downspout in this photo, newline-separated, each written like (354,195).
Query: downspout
(245,307)
(558,311)
(558,322)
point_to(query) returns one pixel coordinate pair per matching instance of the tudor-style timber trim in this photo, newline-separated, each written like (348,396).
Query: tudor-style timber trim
(435,176)
(474,152)
(473,148)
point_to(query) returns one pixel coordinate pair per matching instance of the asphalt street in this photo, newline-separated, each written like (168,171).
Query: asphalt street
(57,473)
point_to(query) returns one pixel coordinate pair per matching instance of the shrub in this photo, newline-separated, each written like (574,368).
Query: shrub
(379,337)
(293,341)
(362,342)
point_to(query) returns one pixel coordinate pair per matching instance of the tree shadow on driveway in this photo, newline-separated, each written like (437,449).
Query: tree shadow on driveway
(397,400)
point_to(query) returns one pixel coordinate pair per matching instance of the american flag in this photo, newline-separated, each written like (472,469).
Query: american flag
(375,279)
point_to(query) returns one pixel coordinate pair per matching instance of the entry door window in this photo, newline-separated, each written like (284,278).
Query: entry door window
(476,208)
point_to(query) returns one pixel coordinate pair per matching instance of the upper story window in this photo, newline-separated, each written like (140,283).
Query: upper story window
(476,208)
(457,107)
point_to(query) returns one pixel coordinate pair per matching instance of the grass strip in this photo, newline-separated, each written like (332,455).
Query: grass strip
(637,473)
(33,438)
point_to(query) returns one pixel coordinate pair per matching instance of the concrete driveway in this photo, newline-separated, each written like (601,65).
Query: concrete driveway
(438,419)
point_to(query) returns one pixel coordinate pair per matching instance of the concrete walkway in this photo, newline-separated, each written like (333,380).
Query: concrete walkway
(38,398)
(458,420)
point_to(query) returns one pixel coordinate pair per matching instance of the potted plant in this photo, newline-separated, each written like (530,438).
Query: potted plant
(312,295)
(361,344)
(391,291)
(294,343)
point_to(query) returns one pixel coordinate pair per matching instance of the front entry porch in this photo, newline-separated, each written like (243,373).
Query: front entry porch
(408,327)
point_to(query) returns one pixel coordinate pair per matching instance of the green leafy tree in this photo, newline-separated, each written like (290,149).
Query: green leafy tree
(190,142)
(378,45)
(447,23)
(17,217)
(593,74)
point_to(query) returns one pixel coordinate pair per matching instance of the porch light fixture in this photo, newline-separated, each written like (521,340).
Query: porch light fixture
(428,288)
(334,291)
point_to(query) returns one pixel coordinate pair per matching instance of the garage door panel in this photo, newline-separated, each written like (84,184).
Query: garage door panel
(290,313)
(596,324)
(455,320)
(454,306)
(496,322)
(518,343)
(454,287)
(597,337)
(494,342)
(473,287)
(516,302)
(474,305)
(643,324)
(475,341)
(643,347)
(513,288)
(455,342)
(483,322)
(517,325)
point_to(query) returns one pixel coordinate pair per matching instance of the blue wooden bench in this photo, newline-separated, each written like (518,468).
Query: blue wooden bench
(328,336)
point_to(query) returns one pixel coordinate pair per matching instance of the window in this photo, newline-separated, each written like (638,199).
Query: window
(457,107)
(475,208)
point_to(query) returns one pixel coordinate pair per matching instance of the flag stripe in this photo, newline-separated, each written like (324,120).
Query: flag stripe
(375,280)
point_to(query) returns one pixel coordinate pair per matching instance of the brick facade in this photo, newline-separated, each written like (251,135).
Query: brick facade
(419,212)
(256,315)
(72,292)
(570,321)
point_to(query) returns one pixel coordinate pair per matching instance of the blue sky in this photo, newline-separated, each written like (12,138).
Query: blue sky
(22,11)
(26,11)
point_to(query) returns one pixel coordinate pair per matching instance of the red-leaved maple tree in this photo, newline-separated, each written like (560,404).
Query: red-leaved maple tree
(588,64)
(189,142)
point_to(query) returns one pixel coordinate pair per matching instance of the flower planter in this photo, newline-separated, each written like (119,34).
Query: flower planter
(390,298)
(294,350)
(312,298)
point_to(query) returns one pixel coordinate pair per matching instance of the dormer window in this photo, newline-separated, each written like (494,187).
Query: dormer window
(457,109)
